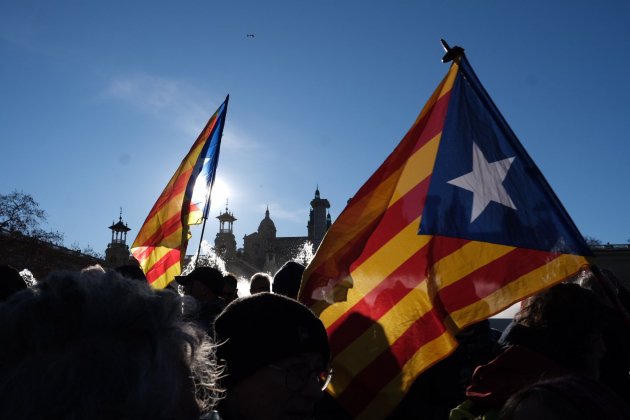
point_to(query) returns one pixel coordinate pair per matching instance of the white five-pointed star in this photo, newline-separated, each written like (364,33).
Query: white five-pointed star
(485,182)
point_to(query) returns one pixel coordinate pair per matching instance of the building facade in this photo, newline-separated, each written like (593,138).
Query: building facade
(263,250)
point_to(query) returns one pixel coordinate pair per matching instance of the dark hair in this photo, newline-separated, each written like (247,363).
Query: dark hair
(565,317)
(568,397)
(230,279)
(131,271)
(101,346)
(10,281)
(288,278)
(262,280)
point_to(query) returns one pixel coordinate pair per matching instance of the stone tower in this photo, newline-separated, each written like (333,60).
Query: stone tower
(117,252)
(319,220)
(225,241)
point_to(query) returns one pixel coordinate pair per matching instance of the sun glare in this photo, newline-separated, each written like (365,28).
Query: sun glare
(220,193)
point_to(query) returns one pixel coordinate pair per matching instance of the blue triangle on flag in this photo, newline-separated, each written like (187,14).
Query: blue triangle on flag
(484,185)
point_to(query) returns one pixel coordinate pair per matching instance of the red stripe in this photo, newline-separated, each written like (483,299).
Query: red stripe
(167,195)
(336,267)
(418,136)
(372,237)
(163,264)
(397,217)
(348,327)
(493,276)
(207,130)
(371,380)
(182,180)
(165,229)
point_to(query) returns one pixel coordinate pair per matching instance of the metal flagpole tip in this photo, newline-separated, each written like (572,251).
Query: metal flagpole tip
(452,53)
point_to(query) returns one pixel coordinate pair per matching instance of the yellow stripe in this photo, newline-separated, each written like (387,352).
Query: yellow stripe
(443,88)
(417,168)
(389,397)
(465,260)
(377,267)
(376,340)
(173,241)
(153,257)
(354,219)
(195,217)
(173,206)
(157,254)
(545,276)
(362,213)
(170,209)
(400,247)
(169,274)
(166,278)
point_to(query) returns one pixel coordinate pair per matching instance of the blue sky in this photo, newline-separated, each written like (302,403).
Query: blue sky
(100,101)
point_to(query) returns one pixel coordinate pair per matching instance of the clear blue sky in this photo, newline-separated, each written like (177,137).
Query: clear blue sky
(100,101)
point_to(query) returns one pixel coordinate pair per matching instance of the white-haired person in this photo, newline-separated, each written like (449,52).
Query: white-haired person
(100,346)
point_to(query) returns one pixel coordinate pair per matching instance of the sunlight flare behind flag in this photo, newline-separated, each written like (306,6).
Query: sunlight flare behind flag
(456,225)
(161,243)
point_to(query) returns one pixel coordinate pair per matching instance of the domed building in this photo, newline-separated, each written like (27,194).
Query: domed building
(263,250)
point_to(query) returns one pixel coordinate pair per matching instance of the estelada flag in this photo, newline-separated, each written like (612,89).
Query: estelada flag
(456,225)
(161,243)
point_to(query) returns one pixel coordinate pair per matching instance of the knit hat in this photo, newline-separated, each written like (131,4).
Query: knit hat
(257,330)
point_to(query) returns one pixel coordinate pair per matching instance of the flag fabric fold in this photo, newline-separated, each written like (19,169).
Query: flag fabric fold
(161,243)
(456,225)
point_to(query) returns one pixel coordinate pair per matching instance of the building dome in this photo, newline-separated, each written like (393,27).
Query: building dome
(266,227)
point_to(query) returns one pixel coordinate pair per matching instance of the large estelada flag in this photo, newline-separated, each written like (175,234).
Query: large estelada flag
(457,224)
(161,243)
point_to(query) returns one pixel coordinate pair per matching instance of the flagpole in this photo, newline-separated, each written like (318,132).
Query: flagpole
(452,54)
(207,208)
(203,226)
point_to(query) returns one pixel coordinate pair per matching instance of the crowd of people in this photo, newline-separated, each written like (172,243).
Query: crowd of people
(103,344)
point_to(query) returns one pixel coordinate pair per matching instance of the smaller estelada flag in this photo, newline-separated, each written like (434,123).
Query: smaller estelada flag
(456,225)
(161,243)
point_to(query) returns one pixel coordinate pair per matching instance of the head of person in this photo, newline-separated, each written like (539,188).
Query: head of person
(288,278)
(203,283)
(100,346)
(259,283)
(569,321)
(10,282)
(565,398)
(230,288)
(276,355)
(131,271)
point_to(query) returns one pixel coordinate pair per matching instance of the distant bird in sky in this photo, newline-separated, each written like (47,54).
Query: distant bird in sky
(251,36)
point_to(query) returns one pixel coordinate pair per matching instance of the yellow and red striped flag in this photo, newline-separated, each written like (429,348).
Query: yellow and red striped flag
(456,225)
(161,243)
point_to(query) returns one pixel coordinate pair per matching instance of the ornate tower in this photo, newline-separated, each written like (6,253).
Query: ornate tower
(225,242)
(319,220)
(267,241)
(117,252)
